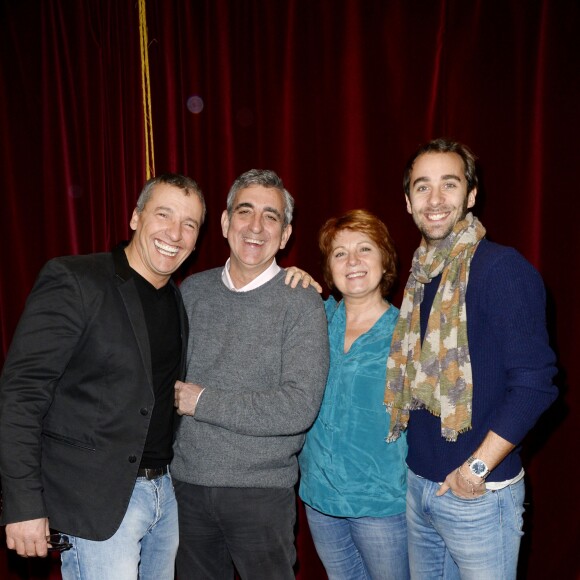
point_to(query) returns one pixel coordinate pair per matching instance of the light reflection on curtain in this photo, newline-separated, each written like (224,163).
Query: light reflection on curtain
(332,94)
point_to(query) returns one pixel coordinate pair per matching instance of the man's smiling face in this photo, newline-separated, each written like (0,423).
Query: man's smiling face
(438,196)
(166,231)
(255,231)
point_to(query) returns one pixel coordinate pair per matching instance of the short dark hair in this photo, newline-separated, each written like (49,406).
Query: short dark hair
(360,220)
(444,146)
(188,185)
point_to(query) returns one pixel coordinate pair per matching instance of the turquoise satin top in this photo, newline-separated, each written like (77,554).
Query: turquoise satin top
(347,468)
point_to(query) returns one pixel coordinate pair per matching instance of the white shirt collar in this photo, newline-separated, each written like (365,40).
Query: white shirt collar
(258,281)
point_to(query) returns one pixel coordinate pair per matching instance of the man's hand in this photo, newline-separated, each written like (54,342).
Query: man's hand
(28,538)
(294,275)
(463,483)
(186,397)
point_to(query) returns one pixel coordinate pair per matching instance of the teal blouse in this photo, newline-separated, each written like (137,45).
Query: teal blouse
(347,468)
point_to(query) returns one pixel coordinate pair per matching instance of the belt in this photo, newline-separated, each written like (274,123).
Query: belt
(152,472)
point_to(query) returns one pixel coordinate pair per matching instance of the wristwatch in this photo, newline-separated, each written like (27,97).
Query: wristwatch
(478,467)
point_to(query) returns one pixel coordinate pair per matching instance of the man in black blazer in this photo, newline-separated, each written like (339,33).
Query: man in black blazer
(86,398)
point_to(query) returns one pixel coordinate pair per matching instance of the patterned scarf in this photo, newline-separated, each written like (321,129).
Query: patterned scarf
(437,374)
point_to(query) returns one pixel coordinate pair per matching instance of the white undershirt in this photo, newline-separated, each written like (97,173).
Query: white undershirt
(258,281)
(495,485)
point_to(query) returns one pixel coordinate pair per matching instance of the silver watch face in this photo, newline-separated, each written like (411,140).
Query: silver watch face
(478,467)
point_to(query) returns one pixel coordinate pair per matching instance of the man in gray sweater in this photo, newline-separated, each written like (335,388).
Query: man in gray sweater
(257,365)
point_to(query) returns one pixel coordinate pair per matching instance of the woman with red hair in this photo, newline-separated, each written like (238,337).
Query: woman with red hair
(352,482)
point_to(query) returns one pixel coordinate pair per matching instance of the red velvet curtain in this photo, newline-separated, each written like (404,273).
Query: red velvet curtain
(332,94)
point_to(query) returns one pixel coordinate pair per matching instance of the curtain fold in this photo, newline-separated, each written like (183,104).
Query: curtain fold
(332,94)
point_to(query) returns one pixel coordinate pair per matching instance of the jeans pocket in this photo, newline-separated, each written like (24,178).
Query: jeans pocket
(470,499)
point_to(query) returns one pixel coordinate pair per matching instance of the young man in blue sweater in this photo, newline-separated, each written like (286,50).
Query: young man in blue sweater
(469,373)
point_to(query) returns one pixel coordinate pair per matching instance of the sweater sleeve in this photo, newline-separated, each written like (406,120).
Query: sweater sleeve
(515,300)
(291,405)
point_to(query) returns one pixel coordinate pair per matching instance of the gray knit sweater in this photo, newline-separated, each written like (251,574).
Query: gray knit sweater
(263,357)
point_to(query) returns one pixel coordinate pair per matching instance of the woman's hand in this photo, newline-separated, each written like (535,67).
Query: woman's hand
(294,275)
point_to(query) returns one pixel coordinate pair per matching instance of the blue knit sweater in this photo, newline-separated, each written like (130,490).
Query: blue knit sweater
(512,364)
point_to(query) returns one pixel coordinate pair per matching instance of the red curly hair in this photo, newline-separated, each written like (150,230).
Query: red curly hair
(360,220)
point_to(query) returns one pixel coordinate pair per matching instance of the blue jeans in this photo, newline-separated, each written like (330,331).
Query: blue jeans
(143,547)
(360,548)
(472,539)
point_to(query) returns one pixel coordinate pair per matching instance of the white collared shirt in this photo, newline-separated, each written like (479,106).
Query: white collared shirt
(258,281)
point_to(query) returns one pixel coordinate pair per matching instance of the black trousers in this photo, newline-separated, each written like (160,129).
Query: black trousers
(222,527)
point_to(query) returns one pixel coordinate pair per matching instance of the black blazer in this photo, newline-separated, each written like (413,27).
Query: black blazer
(76,396)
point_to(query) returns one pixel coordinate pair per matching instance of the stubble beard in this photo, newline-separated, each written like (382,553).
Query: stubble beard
(435,239)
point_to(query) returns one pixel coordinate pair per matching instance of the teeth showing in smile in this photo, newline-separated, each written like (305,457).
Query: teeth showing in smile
(356,275)
(165,249)
(437,216)
(252,241)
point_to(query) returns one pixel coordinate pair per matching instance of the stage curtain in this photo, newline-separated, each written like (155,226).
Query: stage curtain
(332,94)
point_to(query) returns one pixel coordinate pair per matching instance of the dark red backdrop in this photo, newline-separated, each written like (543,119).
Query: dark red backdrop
(332,94)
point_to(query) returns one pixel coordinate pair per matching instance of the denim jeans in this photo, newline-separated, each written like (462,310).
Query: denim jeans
(143,547)
(251,528)
(360,548)
(472,539)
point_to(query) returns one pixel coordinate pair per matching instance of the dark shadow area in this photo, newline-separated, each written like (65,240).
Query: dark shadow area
(536,439)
